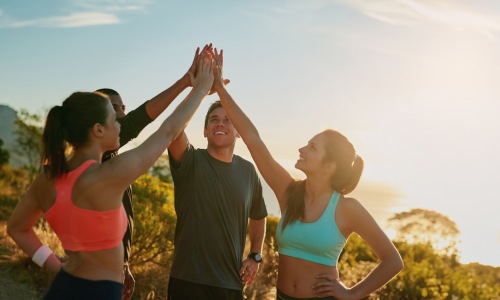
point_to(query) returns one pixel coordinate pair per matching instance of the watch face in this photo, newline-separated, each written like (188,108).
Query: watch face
(258,257)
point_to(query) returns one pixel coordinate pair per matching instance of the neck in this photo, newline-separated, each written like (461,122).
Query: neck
(83,154)
(222,154)
(317,189)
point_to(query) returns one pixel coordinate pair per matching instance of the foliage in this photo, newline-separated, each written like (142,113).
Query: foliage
(263,287)
(440,231)
(29,130)
(161,169)
(4,154)
(13,183)
(155,215)
(153,238)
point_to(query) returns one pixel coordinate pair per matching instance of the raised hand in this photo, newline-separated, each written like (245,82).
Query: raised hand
(192,70)
(204,77)
(219,81)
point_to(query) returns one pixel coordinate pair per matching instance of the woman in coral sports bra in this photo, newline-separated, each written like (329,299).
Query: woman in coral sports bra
(316,217)
(81,198)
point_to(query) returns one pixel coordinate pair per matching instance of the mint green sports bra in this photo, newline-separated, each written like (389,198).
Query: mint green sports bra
(320,242)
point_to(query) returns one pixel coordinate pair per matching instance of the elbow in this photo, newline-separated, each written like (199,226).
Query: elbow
(398,264)
(11,230)
(15,229)
(393,264)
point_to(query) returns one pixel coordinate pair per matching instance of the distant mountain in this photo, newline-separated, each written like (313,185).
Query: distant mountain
(7,119)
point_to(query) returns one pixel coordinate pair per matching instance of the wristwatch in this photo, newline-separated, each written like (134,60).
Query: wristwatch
(255,256)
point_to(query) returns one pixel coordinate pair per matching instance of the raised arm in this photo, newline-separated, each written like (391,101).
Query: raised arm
(160,102)
(273,173)
(126,167)
(179,146)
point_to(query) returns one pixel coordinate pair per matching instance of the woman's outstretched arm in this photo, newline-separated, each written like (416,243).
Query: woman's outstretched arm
(274,174)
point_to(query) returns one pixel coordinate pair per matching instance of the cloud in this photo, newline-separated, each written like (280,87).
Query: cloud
(407,12)
(81,19)
(112,5)
(81,14)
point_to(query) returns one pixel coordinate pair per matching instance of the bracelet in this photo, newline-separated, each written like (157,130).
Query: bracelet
(41,255)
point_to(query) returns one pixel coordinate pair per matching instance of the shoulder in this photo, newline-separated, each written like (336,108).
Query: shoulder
(240,160)
(349,202)
(42,182)
(42,189)
(351,207)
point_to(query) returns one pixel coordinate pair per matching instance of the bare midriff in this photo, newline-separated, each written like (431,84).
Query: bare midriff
(97,265)
(296,276)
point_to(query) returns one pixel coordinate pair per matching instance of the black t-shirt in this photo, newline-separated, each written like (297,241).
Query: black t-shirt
(213,202)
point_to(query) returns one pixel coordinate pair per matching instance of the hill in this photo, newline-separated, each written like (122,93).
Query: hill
(7,119)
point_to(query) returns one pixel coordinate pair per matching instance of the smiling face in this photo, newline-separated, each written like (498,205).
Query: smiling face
(219,131)
(311,156)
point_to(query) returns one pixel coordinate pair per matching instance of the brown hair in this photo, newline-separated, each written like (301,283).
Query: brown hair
(349,167)
(70,123)
(212,107)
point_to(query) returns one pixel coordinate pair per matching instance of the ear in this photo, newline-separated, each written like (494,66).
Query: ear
(204,132)
(237,134)
(330,167)
(97,130)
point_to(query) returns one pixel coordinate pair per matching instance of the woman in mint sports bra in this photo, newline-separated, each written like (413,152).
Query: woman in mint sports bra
(81,198)
(316,217)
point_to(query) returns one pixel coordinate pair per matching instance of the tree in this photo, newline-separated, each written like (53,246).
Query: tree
(161,169)
(29,130)
(426,226)
(4,154)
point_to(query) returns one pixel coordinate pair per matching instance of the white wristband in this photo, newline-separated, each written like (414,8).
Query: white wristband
(41,255)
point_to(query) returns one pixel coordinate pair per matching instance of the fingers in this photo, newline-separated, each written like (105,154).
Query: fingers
(248,271)
(205,75)
(219,57)
(248,276)
(327,285)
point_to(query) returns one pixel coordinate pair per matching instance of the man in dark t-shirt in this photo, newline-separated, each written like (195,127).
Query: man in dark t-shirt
(131,125)
(218,196)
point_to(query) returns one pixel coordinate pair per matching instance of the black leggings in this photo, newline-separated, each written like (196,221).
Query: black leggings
(67,286)
(281,296)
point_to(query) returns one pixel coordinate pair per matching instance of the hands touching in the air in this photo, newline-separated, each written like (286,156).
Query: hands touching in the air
(216,60)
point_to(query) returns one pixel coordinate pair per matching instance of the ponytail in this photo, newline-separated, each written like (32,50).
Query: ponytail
(356,170)
(54,145)
(349,166)
(70,123)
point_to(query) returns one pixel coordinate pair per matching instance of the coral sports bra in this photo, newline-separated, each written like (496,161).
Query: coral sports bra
(82,229)
(319,242)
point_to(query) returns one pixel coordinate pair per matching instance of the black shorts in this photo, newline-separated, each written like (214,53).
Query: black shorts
(67,286)
(281,296)
(185,290)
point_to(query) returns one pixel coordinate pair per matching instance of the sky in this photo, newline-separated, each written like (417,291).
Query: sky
(412,84)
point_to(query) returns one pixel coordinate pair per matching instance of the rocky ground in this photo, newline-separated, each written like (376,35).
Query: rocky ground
(12,290)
